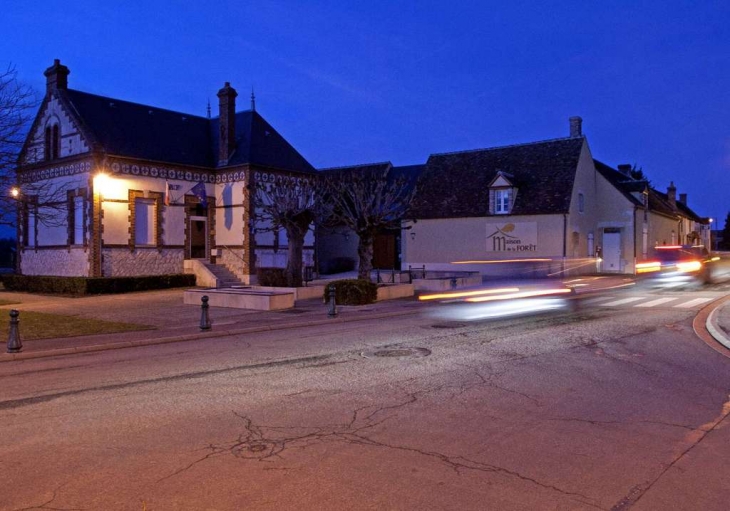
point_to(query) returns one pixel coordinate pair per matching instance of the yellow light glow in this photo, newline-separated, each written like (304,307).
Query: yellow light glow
(689,266)
(521,294)
(104,184)
(15,192)
(648,267)
(496,261)
(464,294)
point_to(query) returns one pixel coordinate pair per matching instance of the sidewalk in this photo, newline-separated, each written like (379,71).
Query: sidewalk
(172,321)
(169,320)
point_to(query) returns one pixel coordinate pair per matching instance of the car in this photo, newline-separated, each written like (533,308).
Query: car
(678,265)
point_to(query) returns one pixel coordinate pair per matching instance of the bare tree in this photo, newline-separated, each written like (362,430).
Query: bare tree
(289,203)
(368,200)
(17,104)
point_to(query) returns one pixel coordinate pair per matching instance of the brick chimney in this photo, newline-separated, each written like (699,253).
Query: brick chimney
(56,76)
(672,195)
(625,168)
(683,198)
(576,127)
(227,123)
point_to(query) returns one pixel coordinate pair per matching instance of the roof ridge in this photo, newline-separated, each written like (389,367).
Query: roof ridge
(357,166)
(184,114)
(508,146)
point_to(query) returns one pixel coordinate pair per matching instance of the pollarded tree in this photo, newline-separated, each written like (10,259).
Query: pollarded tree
(368,199)
(289,203)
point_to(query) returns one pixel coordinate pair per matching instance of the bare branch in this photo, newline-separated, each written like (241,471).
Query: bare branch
(17,105)
(368,200)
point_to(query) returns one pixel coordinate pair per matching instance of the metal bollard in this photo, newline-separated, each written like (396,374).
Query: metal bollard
(332,301)
(204,317)
(14,344)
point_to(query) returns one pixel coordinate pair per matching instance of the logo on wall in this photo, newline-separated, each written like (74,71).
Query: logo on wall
(520,237)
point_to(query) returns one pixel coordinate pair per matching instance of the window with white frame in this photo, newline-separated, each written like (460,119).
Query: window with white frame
(144,221)
(502,199)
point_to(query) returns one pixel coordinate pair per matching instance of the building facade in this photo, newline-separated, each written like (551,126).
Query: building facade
(114,188)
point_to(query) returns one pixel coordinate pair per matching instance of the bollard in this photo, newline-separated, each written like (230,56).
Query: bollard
(204,317)
(332,302)
(14,344)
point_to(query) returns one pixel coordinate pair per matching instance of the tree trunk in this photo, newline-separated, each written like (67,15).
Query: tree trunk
(294,260)
(365,252)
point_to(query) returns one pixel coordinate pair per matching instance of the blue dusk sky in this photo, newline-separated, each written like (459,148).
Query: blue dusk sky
(356,82)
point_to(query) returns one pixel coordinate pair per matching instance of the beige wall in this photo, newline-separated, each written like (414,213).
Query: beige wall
(582,224)
(439,243)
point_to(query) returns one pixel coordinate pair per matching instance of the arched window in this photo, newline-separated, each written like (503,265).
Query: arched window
(52,143)
(55,142)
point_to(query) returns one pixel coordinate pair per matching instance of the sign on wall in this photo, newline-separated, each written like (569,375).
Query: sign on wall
(512,237)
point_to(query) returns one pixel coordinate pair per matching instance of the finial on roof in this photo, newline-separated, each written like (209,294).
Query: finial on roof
(253,100)
(208,108)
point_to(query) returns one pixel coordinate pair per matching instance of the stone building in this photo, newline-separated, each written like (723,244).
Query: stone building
(133,189)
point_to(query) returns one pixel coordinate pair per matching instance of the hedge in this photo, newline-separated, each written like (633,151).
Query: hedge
(80,286)
(275,277)
(352,292)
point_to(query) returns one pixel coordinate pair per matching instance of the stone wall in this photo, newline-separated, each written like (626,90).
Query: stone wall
(64,262)
(122,262)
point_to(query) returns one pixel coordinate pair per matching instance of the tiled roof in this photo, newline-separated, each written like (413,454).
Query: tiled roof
(133,130)
(658,201)
(623,183)
(456,184)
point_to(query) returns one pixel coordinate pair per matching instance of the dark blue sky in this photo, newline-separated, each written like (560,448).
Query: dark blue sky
(389,80)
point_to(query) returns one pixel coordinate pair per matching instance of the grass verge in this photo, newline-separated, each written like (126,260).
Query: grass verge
(39,325)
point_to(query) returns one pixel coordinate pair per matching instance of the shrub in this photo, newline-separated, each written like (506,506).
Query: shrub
(79,286)
(275,277)
(353,291)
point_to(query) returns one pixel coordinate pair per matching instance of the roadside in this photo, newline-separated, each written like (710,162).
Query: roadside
(174,321)
(168,319)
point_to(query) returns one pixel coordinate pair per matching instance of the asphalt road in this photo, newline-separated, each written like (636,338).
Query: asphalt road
(614,407)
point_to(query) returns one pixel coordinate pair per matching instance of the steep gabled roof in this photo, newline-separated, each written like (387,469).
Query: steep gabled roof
(133,130)
(456,184)
(623,183)
(258,143)
(139,131)
(658,201)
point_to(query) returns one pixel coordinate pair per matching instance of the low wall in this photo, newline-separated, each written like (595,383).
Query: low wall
(241,299)
(122,262)
(395,291)
(62,262)
(446,283)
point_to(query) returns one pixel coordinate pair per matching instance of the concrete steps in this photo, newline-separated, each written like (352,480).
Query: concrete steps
(226,278)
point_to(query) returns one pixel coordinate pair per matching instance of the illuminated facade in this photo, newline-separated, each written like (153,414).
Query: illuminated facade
(113,188)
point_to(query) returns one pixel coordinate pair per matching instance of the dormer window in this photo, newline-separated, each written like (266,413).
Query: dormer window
(502,193)
(502,201)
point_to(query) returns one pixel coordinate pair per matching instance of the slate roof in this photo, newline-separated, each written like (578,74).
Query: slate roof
(456,185)
(133,130)
(658,201)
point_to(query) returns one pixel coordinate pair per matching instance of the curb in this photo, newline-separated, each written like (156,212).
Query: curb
(713,326)
(9,357)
